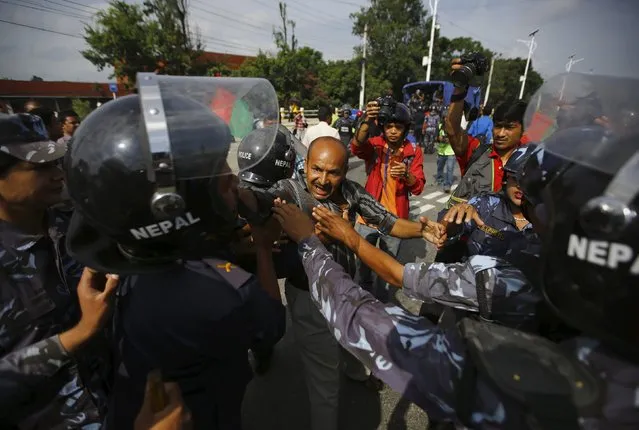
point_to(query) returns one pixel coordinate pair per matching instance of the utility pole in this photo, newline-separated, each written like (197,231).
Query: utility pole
(531,48)
(433,22)
(362,81)
(571,62)
(490,78)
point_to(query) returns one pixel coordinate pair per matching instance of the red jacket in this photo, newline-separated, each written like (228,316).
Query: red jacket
(372,152)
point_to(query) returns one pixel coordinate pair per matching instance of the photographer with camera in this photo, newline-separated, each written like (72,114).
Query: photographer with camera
(481,165)
(395,169)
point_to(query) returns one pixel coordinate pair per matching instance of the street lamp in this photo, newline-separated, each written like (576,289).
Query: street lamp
(531,47)
(571,62)
(433,24)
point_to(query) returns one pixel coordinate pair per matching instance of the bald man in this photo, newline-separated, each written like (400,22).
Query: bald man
(326,184)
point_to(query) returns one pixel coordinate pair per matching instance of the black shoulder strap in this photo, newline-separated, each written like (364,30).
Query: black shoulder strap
(478,152)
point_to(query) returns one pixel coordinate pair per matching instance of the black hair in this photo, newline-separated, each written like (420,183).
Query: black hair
(68,113)
(6,163)
(510,112)
(473,114)
(324,113)
(47,115)
(488,109)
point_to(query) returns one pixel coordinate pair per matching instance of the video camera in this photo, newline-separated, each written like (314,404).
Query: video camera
(473,64)
(386,108)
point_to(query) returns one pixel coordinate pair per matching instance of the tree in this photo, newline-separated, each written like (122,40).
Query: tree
(152,37)
(506,84)
(81,107)
(292,74)
(35,78)
(280,34)
(397,37)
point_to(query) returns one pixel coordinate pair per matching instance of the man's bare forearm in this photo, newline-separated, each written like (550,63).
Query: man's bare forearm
(386,267)
(452,125)
(362,134)
(405,229)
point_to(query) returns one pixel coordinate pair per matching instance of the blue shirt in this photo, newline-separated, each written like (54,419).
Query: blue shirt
(482,125)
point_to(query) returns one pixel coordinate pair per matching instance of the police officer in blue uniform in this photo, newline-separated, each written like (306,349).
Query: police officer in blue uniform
(493,223)
(54,359)
(581,190)
(156,196)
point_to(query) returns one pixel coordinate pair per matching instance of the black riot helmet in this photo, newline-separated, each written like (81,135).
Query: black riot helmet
(277,160)
(152,176)
(517,159)
(583,183)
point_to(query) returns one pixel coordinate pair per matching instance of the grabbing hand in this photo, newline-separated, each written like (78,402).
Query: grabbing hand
(398,169)
(95,291)
(463,212)
(266,235)
(372,111)
(295,223)
(163,407)
(433,232)
(338,227)
(455,64)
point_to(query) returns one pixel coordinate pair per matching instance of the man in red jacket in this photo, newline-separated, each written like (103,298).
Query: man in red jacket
(395,169)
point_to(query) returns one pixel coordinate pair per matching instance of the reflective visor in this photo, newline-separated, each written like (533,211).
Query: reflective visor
(194,124)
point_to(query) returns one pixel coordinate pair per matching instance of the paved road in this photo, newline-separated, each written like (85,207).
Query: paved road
(278,400)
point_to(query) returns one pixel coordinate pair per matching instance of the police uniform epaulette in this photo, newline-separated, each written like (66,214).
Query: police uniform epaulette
(234,275)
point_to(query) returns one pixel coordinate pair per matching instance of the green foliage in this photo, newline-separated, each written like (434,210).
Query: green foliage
(155,36)
(397,40)
(150,37)
(81,107)
(398,36)
(294,74)
(506,84)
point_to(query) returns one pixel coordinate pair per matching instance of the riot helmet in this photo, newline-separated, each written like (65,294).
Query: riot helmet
(518,158)
(277,161)
(152,175)
(583,182)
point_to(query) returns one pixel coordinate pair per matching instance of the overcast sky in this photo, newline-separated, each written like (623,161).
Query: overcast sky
(603,32)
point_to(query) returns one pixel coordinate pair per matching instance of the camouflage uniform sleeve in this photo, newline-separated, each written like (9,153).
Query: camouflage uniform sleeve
(414,357)
(23,370)
(452,284)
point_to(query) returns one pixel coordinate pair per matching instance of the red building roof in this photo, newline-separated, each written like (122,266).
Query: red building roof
(56,89)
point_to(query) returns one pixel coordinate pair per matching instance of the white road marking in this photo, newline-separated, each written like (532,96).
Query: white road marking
(425,208)
(432,195)
(443,199)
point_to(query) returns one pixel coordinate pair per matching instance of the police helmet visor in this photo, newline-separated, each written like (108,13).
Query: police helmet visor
(585,179)
(220,112)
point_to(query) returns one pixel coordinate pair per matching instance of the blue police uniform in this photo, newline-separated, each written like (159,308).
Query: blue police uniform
(500,236)
(427,363)
(41,385)
(195,322)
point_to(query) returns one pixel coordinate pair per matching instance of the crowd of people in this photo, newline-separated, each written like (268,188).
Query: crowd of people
(142,248)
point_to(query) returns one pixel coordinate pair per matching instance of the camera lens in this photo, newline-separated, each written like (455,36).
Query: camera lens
(462,77)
